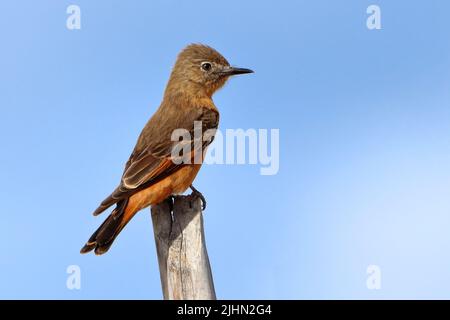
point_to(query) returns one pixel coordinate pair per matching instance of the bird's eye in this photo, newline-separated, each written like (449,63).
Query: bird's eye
(206,66)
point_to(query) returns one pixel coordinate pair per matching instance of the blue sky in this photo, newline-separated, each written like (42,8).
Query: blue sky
(364,119)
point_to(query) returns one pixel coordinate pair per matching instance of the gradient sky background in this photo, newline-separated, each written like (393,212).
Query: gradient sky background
(364,119)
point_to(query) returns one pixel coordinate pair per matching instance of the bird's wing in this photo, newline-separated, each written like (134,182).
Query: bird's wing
(151,160)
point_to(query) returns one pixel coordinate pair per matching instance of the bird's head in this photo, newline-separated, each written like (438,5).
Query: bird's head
(199,67)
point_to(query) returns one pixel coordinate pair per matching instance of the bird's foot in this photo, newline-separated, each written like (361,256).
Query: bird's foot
(198,194)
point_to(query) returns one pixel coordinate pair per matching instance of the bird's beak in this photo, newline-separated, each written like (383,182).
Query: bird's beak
(231,71)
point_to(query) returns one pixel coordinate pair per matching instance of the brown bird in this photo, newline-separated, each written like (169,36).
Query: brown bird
(151,174)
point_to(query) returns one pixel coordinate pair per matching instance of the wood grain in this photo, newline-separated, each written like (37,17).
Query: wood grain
(180,243)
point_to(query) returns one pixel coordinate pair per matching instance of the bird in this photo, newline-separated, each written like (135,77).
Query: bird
(152,173)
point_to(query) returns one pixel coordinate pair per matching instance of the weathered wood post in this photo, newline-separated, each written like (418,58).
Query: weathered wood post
(180,243)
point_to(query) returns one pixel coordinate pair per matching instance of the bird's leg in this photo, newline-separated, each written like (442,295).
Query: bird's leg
(197,193)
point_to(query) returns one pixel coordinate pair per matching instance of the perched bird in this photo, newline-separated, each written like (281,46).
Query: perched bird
(151,175)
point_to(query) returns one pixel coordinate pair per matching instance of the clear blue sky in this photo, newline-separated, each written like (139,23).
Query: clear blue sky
(364,119)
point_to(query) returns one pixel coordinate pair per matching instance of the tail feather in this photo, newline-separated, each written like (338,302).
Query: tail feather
(108,202)
(102,239)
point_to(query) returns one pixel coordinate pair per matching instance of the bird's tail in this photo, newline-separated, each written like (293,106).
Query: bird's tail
(102,239)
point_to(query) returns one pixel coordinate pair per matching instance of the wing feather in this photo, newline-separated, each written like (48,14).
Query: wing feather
(151,160)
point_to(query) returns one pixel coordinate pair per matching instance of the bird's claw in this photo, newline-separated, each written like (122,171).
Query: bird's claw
(198,194)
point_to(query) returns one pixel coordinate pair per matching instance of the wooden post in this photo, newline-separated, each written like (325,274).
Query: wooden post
(180,243)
